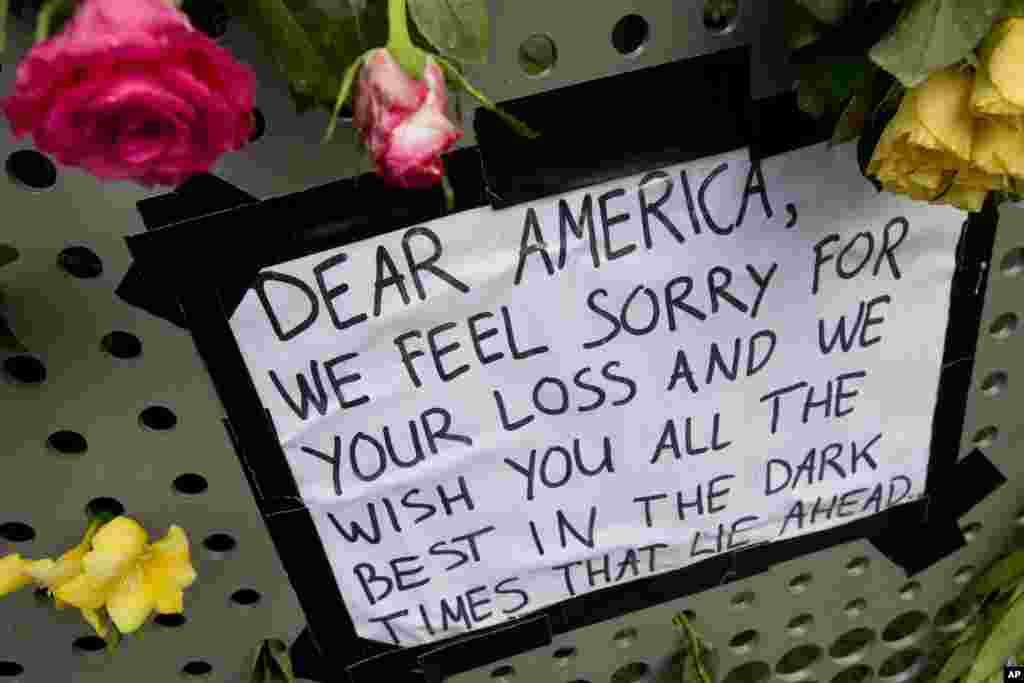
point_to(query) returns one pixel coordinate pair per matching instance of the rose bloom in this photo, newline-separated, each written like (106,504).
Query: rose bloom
(130,90)
(935,150)
(403,121)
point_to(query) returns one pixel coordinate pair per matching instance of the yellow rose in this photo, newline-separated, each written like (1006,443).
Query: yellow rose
(926,150)
(999,90)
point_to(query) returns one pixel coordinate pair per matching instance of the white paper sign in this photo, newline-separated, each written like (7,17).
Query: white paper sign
(499,410)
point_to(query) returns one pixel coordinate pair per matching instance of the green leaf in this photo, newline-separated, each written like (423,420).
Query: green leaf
(852,120)
(933,34)
(53,14)
(8,340)
(8,254)
(457,28)
(518,126)
(291,47)
(3,25)
(1003,574)
(959,661)
(1004,640)
(1014,8)
(272,663)
(802,28)
(827,11)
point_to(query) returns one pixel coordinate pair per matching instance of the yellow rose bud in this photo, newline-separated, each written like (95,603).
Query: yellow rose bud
(998,148)
(1002,57)
(12,573)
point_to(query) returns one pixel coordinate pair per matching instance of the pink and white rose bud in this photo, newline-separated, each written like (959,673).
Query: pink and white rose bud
(403,121)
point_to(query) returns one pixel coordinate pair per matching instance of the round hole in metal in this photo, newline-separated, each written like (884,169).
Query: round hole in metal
(220,543)
(625,637)
(905,629)
(995,383)
(743,600)
(800,625)
(31,170)
(1012,264)
(852,645)
(857,566)
(801,583)
(89,644)
(537,55)
(67,442)
(197,668)
(246,596)
(986,436)
(854,674)
(1004,326)
(24,369)
(796,664)
(170,620)
(158,418)
(910,591)
(750,672)
(630,673)
(953,616)
(10,669)
(720,16)
(744,641)
(16,532)
(191,484)
(901,666)
(80,261)
(630,34)
(104,506)
(122,345)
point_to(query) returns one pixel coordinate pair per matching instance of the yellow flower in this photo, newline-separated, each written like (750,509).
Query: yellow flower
(12,573)
(936,150)
(130,579)
(1001,58)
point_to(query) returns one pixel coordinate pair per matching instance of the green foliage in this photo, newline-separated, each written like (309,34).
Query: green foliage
(272,663)
(933,34)
(456,28)
(826,11)
(996,632)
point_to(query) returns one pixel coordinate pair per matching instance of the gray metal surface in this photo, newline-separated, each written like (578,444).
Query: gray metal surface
(63,319)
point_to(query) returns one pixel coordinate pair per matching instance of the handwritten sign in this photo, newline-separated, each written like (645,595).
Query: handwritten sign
(500,410)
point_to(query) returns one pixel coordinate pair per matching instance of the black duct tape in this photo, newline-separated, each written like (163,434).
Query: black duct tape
(201,194)
(617,126)
(913,542)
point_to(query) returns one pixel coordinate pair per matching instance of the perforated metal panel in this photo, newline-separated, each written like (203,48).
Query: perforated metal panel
(855,614)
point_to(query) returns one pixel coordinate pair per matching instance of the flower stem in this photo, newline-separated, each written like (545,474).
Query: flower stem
(400,45)
(398,27)
(511,121)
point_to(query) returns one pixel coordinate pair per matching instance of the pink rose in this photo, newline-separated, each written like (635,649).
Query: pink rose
(403,121)
(130,90)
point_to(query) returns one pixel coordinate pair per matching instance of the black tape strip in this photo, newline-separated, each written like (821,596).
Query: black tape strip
(975,479)
(938,538)
(916,543)
(201,194)
(617,126)
(779,126)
